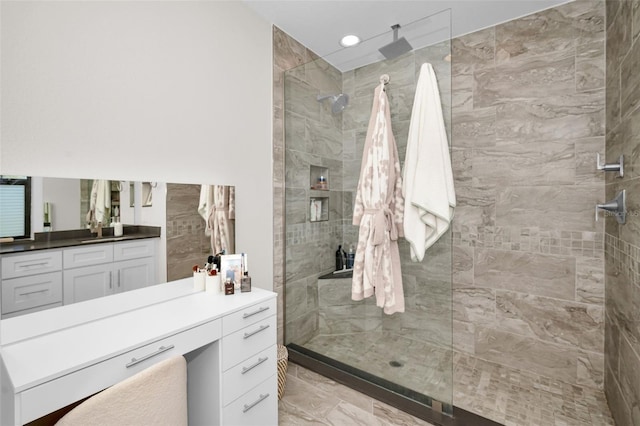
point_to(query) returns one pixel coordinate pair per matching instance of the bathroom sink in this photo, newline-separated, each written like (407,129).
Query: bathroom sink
(103,239)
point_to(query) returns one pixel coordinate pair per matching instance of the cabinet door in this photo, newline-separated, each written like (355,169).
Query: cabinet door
(133,274)
(87,283)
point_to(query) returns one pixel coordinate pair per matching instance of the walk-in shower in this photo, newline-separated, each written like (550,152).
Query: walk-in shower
(405,356)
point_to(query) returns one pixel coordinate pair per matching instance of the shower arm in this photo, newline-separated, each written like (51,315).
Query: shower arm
(321,98)
(395,29)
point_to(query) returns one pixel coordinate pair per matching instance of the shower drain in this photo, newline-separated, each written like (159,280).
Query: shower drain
(395,363)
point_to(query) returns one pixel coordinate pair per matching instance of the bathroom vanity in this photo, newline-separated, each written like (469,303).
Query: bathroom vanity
(38,275)
(53,358)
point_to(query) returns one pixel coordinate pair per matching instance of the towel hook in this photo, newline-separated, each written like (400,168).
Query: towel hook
(384,78)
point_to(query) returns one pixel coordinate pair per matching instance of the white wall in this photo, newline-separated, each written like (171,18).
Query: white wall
(63,195)
(155,91)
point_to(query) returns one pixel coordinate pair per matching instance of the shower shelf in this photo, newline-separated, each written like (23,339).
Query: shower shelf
(319,178)
(318,207)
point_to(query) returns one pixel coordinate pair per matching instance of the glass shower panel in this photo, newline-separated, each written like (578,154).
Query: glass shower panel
(409,353)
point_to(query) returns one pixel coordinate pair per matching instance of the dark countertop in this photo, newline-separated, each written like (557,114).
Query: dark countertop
(77,237)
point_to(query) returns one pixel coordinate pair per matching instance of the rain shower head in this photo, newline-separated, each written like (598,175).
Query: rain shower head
(397,47)
(338,102)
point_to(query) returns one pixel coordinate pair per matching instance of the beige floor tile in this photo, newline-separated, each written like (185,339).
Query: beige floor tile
(348,414)
(308,398)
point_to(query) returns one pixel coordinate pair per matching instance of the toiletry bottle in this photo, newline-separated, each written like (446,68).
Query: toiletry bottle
(213,282)
(339,263)
(46,226)
(117,228)
(351,257)
(246,283)
(313,217)
(344,259)
(229,287)
(322,183)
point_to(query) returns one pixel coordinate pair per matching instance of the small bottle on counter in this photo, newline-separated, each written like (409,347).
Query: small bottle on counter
(229,288)
(245,285)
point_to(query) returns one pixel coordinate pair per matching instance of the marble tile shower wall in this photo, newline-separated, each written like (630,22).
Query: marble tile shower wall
(313,137)
(528,120)
(287,54)
(184,227)
(427,285)
(622,242)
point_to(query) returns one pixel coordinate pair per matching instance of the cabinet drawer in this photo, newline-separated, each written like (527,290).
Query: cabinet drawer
(133,249)
(248,374)
(257,407)
(244,343)
(94,254)
(251,315)
(31,292)
(64,390)
(39,262)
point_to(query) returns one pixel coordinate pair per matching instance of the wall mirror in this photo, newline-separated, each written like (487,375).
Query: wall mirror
(187,214)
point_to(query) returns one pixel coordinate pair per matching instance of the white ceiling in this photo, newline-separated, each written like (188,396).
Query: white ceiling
(320,25)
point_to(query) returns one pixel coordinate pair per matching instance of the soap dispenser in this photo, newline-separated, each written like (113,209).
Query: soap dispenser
(117,228)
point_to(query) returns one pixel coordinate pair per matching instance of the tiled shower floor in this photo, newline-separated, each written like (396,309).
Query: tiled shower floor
(508,396)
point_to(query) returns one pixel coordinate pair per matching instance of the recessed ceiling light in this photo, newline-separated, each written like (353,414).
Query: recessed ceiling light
(349,40)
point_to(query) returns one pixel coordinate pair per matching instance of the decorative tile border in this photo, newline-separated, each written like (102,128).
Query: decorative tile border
(532,240)
(625,257)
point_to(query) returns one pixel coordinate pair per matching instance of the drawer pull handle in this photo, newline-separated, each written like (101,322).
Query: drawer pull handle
(262,328)
(256,402)
(251,367)
(34,292)
(161,349)
(250,314)
(32,265)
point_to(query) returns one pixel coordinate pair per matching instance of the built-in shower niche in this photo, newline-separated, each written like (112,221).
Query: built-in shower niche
(318,195)
(318,207)
(319,178)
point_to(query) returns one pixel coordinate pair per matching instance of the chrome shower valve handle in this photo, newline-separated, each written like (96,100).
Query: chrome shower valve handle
(615,167)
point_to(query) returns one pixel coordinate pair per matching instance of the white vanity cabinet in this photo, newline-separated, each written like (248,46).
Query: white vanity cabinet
(43,279)
(54,358)
(115,267)
(249,365)
(31,282)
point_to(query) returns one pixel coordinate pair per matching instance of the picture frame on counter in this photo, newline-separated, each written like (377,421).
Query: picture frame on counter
(232,263)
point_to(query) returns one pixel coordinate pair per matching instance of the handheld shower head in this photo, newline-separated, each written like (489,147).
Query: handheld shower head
(338,102)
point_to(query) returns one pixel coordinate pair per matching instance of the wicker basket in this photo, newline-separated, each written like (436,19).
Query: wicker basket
(283,357)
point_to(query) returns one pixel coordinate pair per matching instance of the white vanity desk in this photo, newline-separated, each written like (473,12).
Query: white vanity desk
(53,358)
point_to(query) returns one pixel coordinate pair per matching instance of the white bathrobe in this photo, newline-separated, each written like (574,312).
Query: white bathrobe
(378,212)
(99,202)
(429,195)
(217,208)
